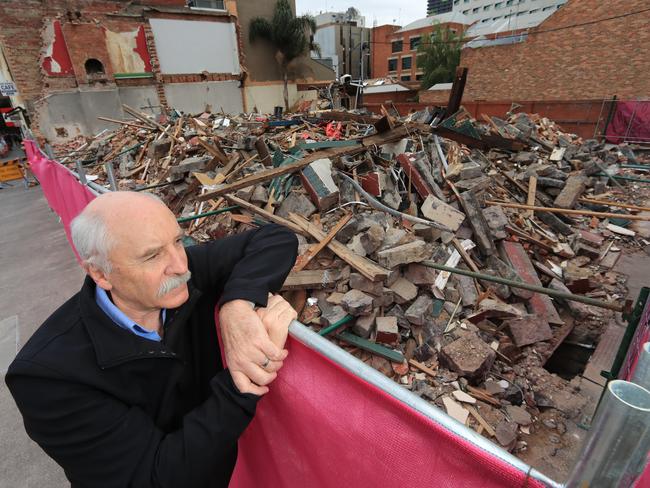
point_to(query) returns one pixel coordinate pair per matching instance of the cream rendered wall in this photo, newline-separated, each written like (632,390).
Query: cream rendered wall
(266,97)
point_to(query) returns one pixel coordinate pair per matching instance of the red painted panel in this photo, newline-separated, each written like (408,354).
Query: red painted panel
(141,49)
(59,55)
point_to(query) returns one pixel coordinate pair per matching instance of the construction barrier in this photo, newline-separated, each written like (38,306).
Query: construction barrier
(330,420)
(11,170)
(630,122)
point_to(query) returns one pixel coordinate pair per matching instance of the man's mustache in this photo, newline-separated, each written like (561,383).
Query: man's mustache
(173,282)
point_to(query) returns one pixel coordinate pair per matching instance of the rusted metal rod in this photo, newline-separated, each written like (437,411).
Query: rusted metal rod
(570,211)
(518,284)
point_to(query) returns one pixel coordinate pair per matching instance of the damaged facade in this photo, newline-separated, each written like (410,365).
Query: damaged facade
(72,63)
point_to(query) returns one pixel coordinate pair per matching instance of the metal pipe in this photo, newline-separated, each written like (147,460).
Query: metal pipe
(94,187)
(370,375)
(110,173)
(206,214)
(441,153)
(616,449)
(81,172)
(570,211)
(380,206)
(641,375)
(626,178)
(336,325)
(526,286)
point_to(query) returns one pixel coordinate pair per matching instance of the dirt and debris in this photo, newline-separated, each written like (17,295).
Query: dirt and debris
(375,200)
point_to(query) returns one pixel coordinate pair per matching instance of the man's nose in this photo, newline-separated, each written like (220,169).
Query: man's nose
(178,261)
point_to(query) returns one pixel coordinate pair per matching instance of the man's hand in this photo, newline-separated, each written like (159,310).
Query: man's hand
(247,347)
(276,317)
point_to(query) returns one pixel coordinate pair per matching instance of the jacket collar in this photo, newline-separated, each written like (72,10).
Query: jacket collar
(114,345)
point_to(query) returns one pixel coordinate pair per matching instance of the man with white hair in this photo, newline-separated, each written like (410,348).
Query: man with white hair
(123,385)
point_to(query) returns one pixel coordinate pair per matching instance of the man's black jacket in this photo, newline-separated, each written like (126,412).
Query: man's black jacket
(117,410)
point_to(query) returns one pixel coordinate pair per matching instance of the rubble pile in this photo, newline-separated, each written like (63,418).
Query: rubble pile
(375,201)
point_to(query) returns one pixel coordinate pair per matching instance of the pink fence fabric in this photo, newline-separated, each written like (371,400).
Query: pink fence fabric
(65,195)
(631,122)
(321,426)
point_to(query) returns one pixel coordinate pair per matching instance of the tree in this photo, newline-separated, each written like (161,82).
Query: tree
(439,56)
(291,37)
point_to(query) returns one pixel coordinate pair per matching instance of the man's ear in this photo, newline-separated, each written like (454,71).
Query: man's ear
(99,276)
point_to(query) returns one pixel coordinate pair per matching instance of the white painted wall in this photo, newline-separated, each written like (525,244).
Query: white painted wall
(193,97)
(187,46)
(521,14)
(326,37)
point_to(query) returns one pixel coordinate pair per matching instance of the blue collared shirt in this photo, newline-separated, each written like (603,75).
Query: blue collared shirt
(120,318)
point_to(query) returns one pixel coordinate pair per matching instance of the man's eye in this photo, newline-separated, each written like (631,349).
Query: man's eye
(152,257)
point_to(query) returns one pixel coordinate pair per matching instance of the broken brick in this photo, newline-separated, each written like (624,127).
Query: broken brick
(468,356)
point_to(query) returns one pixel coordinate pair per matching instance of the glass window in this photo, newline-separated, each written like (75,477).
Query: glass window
(398,46)
(406,78)
(210,4)
(407,63)
(392,65)
(415,42)
(419,77)
(486,8)
(498,5)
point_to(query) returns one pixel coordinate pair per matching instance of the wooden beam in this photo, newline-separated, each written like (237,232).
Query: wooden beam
(269,174)
(480,420)
(266,215)
(423,367)
(456,92)
(524,235)
(570,211)
(123,122)
(532,190)
(366,267)
(214,151)
(609,203)
(313,251)
(311,279)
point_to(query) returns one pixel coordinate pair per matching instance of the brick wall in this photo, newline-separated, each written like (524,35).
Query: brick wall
(380,49)
(20,34)
(592,61)
(435,97)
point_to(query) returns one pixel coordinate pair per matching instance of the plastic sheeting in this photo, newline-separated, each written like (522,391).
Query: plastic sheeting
(630,123)
(322,426)
(65,195)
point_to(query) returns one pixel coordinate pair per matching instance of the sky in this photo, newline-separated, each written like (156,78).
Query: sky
(399,12)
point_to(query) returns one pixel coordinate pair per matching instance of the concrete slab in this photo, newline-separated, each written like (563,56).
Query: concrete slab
(8,341)
(38,272)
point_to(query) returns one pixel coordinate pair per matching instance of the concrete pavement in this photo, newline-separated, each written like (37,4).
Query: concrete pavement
(38,272)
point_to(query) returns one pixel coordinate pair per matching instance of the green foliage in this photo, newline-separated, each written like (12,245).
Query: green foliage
(439,56)
(290,36)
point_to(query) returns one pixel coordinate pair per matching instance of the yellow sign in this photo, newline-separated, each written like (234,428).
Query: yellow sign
(10,170)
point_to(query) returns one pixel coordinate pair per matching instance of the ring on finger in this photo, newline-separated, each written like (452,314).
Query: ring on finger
(266,363)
